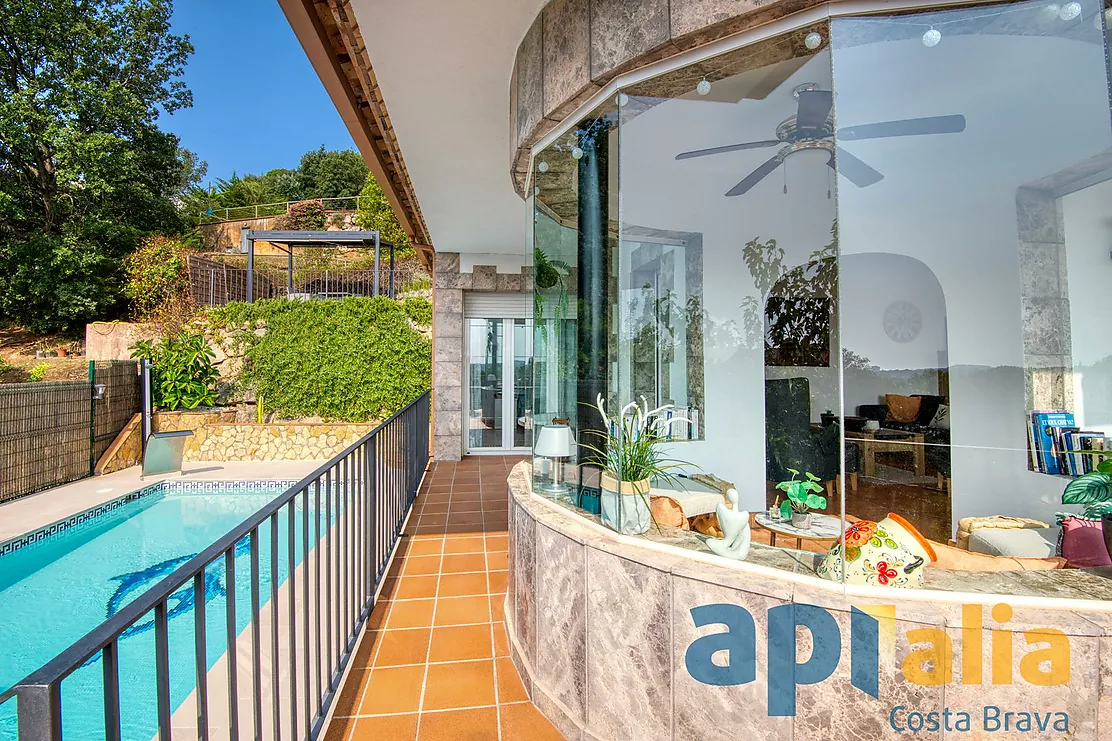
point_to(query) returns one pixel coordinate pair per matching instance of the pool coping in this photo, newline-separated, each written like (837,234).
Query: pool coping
(89,515)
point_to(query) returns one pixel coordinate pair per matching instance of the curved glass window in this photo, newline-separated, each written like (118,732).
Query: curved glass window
(867,254)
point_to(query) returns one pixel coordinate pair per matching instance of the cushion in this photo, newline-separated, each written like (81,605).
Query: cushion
(928,406)
(902,408)
(950,557)
(1083,543)
(941,418)
(1020,543)
(667,512)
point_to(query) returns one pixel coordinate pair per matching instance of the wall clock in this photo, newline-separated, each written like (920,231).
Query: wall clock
(902,321)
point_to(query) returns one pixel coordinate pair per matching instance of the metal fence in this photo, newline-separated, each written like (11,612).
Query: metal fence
(52,433)
(259,210)
(317,553)
(214,283)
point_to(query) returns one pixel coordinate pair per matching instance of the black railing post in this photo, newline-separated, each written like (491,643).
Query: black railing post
(92,417)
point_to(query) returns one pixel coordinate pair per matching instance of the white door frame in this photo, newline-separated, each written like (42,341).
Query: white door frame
(509,414)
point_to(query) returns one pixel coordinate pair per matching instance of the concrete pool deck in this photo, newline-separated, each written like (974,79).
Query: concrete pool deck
(34,511)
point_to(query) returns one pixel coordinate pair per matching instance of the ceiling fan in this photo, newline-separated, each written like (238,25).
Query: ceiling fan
(813,128)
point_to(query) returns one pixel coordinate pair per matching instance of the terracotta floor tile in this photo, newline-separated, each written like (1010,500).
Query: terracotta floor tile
(414,613)
(339,729)
(459,564)
(402,647)
(466,684)
(462,529)
(501,641)
(497,607)
(436,518)
(393,690)
(523,723)
(347,702)
(497,581)
(426,530)
(460,725)
(510,688)
(415,587)
(433,507)
(466,507)
(392,727)
(472,544)
(497,541)
(421,565)
(378,615)
(389,588)
(496,522)
(497,561)
(461,643)
(365,651)
(460,585)
(462,611)
(466,518)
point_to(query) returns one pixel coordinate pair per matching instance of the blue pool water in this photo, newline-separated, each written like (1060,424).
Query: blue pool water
(56,590)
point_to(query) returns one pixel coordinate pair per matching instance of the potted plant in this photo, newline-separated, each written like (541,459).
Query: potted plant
(62,351)
(1094,490)
(630,457)
(802,497)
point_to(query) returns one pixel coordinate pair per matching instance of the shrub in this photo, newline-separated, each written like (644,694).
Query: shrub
(357,359)
(181,371)
(419,283)
(419,309)
(373,213)
(38,373)
(303,215)
(157,276)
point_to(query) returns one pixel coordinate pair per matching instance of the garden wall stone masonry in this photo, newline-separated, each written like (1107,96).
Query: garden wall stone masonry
(217,437)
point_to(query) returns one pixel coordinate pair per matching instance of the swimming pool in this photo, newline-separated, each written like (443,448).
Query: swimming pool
(61,582)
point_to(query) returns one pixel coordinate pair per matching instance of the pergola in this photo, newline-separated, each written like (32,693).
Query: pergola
(286,240)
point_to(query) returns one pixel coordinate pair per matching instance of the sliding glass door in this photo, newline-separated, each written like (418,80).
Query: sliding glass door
(499,388)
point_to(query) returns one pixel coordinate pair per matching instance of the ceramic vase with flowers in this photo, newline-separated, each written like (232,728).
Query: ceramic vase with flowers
(631,455)
(889,553)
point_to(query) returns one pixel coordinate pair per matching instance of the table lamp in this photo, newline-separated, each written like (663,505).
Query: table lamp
(554,441)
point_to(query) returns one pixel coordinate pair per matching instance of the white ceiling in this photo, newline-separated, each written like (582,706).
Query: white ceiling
(444,71)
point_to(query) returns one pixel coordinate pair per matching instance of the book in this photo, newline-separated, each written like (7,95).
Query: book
(1047,437)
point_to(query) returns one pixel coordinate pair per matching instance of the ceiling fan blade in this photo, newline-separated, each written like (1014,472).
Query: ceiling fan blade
(755,177)
(906,127)
(727,148)
(814,107)
(856,171)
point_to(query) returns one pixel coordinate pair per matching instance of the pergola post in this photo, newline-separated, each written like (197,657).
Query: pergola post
(247,242)
(392,271)
(289,276)
(376,262)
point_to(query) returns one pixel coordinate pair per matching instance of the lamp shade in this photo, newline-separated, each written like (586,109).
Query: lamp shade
(554,441)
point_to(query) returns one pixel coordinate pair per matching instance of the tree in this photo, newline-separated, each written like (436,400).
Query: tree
(330,174)
(84,170)
(374,214)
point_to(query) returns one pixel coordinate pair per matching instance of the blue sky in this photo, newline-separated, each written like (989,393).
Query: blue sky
(247,64)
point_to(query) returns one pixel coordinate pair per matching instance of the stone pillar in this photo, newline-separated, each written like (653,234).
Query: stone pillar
(593,262)
(1047,343)
(447,366)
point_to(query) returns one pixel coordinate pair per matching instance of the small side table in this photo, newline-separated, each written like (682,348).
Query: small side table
(823,527)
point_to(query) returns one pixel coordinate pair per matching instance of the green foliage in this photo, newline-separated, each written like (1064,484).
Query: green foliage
(303,215)
(1092,489)
(38,373)
(356,359)
(84,170)
(182,375)
(802,494)
(330,174)
(419,283)
(374,214)
(419,309)
(157,273)
(632,445)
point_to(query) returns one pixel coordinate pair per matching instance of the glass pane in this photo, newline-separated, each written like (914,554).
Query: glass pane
(973,211)
(484,383)
(523,383)
(728,273)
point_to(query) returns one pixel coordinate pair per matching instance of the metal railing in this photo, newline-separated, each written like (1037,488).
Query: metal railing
(342,521)
(259,210)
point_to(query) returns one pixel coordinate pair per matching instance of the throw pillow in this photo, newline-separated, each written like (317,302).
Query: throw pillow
(1083,543)
(902,408)
(941,419)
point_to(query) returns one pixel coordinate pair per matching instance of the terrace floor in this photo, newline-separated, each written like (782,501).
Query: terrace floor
(434,662)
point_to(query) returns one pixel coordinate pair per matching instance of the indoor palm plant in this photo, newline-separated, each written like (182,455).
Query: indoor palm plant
(631,455)
(802,497)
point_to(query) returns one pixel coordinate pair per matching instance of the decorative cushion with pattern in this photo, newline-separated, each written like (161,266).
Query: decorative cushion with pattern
(902,408)
(941,419)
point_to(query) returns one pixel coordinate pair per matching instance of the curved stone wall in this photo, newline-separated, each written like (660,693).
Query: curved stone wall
(600,626)
(575,47)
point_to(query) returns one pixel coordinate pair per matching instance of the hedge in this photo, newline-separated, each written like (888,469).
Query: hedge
(357,359)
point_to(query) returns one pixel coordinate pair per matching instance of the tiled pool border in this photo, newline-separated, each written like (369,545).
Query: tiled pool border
(87,517)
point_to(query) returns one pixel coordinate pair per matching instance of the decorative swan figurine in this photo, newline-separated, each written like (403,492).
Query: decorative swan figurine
(735,530)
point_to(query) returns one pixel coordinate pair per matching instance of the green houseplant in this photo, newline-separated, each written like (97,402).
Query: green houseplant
(631,455)
(802,497)
(1094,489)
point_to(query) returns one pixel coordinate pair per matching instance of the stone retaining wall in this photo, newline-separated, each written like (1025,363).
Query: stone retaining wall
(217,437)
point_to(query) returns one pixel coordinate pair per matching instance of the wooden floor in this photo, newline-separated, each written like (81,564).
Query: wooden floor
(434,664)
